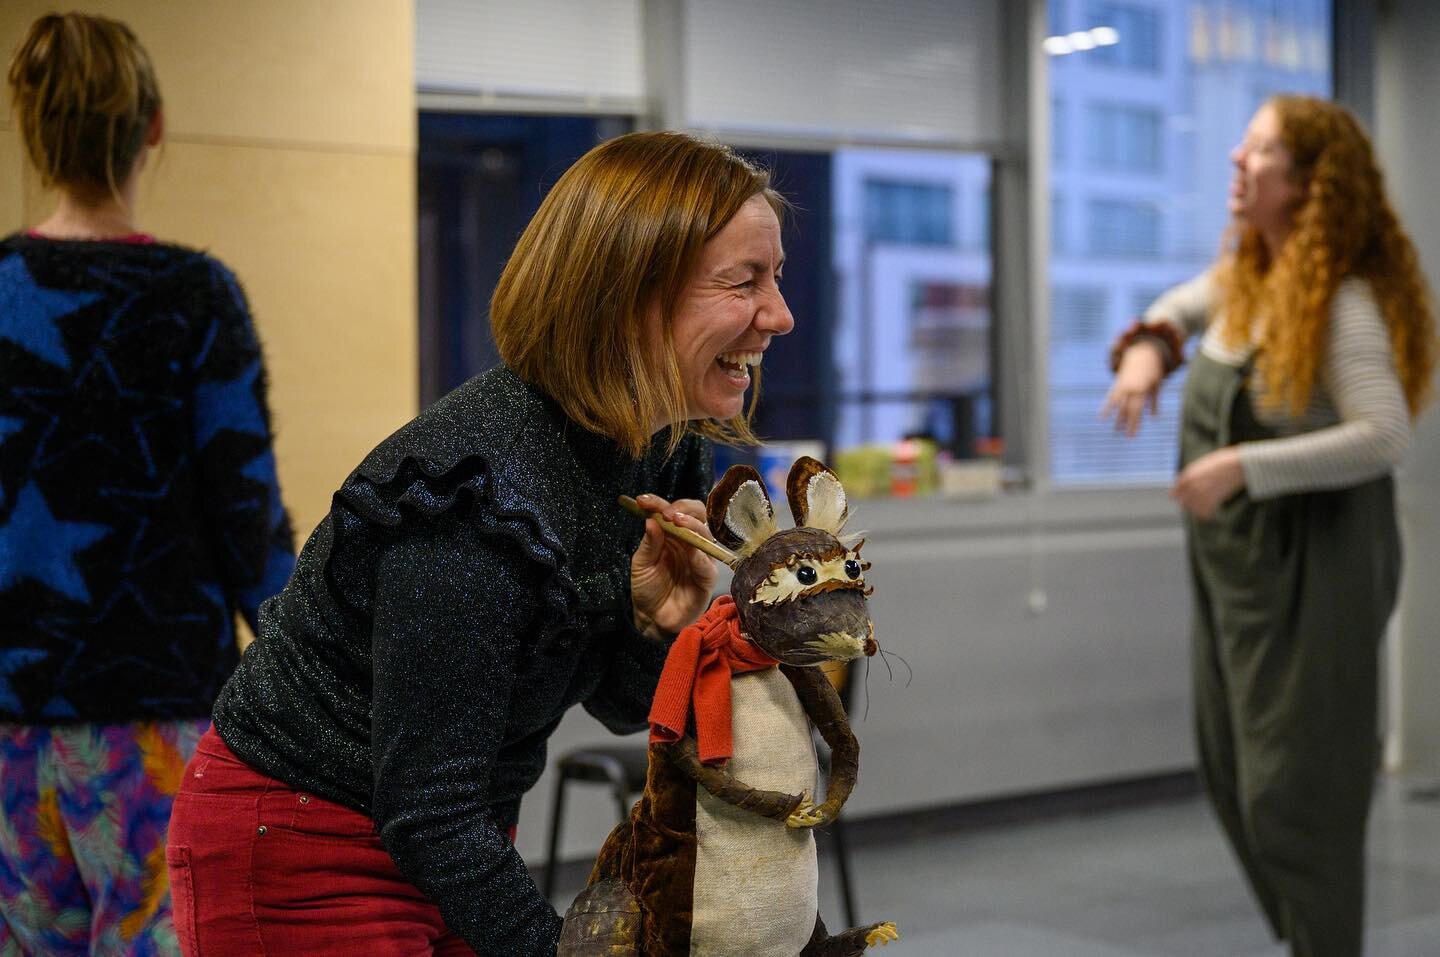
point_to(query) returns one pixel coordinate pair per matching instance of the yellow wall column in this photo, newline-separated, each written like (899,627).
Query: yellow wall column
(290,155)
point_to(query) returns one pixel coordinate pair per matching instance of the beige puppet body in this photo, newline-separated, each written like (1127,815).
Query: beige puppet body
(756,878)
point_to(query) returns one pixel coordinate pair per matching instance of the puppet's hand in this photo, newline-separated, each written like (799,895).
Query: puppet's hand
(670,582)
(882,934)
(830,810)
(806,814)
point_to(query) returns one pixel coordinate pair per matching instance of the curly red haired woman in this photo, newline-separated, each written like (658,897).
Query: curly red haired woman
(1318,349)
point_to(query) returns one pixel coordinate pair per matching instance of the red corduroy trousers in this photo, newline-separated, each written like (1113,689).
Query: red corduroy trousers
(259,868)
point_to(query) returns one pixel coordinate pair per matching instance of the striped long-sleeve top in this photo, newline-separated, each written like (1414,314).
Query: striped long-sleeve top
(139,508)
(1357,425)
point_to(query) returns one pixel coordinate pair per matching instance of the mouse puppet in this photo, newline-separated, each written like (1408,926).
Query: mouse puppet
(718,857)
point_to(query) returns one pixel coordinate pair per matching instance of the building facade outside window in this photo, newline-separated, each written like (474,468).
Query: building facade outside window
(1120,137)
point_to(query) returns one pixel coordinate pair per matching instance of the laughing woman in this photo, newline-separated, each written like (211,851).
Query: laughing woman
(475,579)
(1318,348)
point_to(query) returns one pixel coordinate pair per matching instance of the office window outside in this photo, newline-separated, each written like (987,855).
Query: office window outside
(1059,135)
(1059,225)
(1123,138)
(1081,313)
(911,342)
(888,275)
(918,214)
(1158,91)
(1139,25)
(1141,297)
(1123,228)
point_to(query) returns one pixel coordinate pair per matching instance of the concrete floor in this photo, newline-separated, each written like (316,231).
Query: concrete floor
(1148,881)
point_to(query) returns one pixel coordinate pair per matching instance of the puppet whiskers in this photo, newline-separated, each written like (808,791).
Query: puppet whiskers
(909,671)
(883,657)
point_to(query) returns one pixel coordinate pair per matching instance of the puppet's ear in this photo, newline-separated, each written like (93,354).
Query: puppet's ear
(739,510)
(816,497)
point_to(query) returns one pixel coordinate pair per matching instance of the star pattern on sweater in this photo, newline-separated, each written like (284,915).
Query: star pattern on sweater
(29,312)
(98,387)
(9,425)
(229,406)
(151,556)
(48,544)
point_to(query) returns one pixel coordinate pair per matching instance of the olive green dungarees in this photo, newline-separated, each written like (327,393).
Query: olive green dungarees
(1291,597)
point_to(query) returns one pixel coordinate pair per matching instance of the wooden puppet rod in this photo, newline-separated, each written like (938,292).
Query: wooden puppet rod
(714,549)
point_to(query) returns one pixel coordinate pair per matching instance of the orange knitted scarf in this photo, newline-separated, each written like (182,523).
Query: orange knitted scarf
(697,676)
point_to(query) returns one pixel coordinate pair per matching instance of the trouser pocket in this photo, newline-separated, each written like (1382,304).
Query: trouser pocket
(182,897)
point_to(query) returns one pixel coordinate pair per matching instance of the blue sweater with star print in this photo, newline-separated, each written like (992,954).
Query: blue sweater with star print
(139,509)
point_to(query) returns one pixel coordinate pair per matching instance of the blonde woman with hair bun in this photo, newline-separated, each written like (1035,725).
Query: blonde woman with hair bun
(1317,351)
(139,509)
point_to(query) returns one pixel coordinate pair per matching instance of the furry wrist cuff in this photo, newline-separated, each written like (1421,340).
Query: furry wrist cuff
(1172,350)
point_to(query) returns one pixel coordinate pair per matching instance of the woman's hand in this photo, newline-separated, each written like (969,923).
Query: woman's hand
(1136,386)
(670,582)
(1209,481)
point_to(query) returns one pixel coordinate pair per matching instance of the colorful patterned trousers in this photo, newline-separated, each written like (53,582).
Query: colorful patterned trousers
(83,814)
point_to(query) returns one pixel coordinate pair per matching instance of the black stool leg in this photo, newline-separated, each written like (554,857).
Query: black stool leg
(557,812)
(622,799)
(842,859)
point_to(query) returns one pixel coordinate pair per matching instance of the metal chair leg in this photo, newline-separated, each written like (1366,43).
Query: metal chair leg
(622,800)
(842,859)
(552,860)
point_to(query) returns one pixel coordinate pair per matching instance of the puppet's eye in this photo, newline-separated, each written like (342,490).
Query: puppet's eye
(805,575)
(852,568)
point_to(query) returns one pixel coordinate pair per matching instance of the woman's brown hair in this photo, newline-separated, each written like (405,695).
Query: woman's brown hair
(84,94)
(1344,226)
(612,245)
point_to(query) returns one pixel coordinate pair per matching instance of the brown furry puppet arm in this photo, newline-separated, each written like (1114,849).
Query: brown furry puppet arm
(823,706)
(685,753)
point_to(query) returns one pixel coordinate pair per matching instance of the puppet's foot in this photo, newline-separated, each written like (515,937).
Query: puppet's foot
(604,921)
(806,815)
(882,934)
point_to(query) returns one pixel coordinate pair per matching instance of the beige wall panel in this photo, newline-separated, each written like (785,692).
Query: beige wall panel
(300,71)
(324,244)
(12,180)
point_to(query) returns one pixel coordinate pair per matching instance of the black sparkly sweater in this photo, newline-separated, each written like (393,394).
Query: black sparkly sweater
(469,585)
(139,509)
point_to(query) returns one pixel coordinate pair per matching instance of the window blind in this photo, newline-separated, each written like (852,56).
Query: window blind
(923,72)
(567,50)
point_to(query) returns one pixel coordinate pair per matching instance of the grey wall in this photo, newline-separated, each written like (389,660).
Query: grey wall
(1408,138)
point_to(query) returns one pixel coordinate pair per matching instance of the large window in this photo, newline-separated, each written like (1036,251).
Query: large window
(890,271)
(887,273)
(1166,88)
